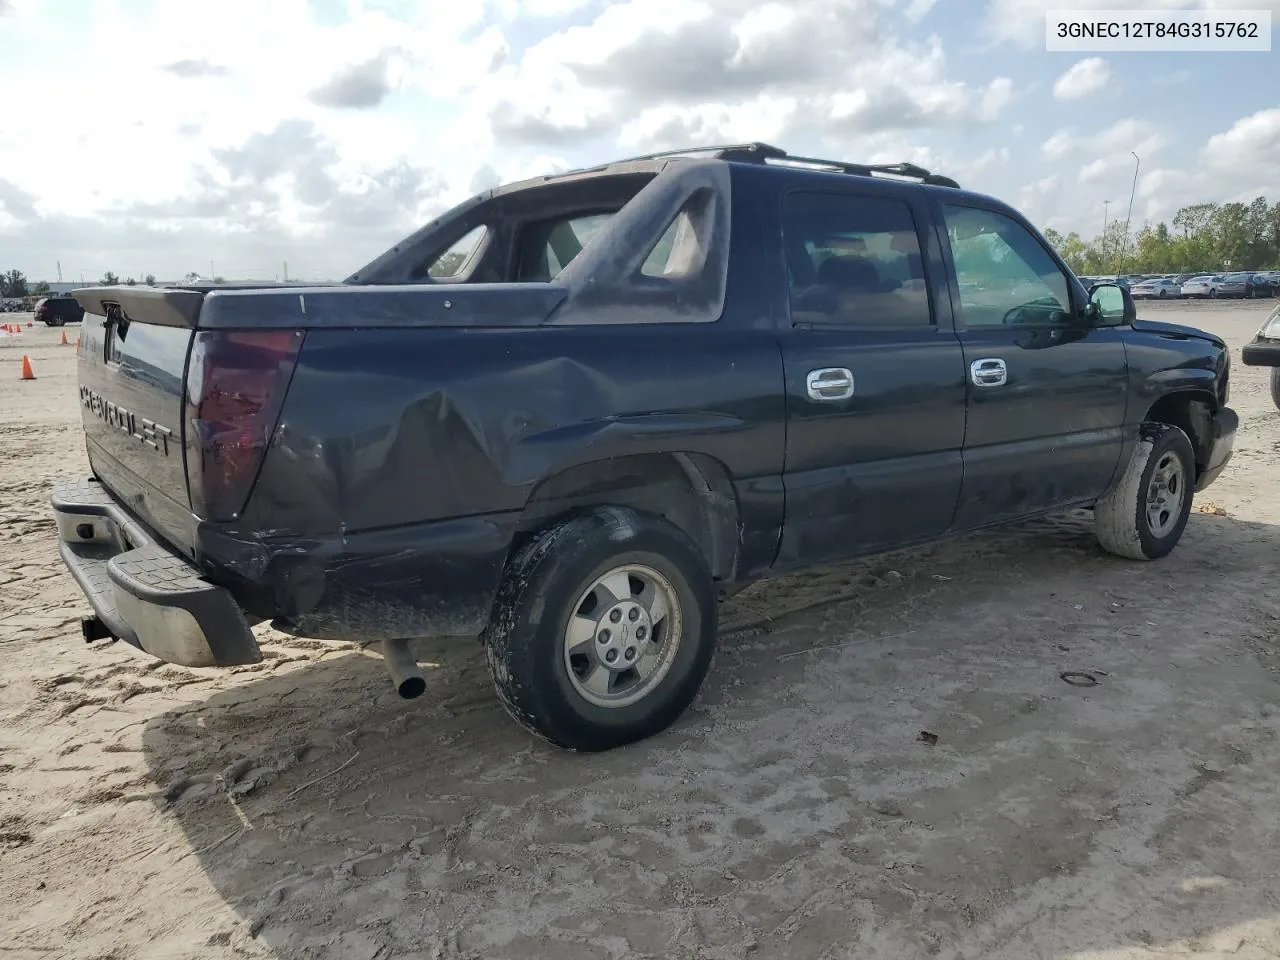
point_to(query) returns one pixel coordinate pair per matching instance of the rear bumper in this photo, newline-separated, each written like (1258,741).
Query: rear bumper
(1225,423)
(144,593)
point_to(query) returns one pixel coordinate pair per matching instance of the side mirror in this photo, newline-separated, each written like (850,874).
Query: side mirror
(1112,304)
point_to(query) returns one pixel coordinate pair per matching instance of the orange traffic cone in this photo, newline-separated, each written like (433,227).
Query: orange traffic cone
(64,341)
(27,374)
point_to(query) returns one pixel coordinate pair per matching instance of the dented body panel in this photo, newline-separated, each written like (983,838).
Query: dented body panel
(430,425)
(457,454)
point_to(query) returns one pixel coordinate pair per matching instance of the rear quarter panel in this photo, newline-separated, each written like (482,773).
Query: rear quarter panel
(392,427)
(388,500)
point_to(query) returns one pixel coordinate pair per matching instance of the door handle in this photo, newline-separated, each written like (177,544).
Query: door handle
(830,383)
(989,372)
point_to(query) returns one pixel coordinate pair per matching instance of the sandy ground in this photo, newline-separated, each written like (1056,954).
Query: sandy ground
(298,809)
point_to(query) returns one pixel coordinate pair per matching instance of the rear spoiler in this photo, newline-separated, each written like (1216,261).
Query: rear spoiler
(165,307)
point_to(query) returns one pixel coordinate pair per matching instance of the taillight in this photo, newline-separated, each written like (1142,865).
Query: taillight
(236,381)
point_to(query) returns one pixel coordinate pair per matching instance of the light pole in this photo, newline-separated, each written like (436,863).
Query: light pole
(1137,162)
(1105,206)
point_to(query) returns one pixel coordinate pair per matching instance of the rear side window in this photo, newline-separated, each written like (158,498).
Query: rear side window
(549,246)
(854,261)
(452,262)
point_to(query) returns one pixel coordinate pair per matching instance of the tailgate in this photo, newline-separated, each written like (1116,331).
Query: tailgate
(132,359)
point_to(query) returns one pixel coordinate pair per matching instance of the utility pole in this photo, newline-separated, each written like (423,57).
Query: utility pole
(1137,162)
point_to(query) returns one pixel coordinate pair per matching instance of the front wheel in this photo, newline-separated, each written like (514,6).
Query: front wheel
(1275,386)
(1143,516)
(603,629)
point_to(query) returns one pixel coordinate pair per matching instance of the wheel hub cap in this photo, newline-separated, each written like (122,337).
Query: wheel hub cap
(1165,495)
(622,635)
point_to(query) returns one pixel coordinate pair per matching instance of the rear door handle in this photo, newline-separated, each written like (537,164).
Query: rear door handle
(989,372)
(830,383)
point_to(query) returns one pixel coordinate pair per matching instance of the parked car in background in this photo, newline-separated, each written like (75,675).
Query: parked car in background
(1206,285)
(1264,283)
(1161,288)
(56,311)
(1236,284)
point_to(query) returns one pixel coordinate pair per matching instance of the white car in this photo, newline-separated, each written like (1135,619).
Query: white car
(1205,286)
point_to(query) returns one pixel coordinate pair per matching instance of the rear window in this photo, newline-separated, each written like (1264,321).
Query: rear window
(548,246)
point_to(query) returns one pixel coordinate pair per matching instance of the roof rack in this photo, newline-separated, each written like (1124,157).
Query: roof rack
(757,152)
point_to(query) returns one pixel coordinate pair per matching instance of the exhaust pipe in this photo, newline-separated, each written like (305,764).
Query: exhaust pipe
(405,675)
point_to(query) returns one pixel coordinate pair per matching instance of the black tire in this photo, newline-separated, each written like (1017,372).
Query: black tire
(1275,386)
(1121,518)
(525,639)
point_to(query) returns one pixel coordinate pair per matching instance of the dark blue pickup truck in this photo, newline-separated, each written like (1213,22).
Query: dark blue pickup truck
(573,413)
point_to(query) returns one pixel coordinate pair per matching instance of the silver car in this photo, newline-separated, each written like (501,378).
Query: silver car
(1159,288)
(1206,285)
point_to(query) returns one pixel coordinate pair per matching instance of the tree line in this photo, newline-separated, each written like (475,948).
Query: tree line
(14,284)
(1204,237)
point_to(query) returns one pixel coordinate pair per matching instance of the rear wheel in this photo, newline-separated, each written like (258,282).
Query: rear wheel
(603,630)
(1143,516)
(1275,386)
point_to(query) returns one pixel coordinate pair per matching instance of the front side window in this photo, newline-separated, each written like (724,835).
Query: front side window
(854,261)
(1005,275)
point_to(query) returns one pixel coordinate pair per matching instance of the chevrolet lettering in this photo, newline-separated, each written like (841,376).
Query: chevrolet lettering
(140,428)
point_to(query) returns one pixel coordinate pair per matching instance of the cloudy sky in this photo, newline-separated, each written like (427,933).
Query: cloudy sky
(163,136)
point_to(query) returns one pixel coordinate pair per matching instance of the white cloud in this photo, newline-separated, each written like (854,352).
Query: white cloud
(917,10)
(1095,170)
(668,72)
(1083,78)
(548,8)
(1131,135)
(1059,144)
(1249,151)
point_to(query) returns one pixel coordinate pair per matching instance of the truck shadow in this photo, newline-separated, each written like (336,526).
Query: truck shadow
(800,804)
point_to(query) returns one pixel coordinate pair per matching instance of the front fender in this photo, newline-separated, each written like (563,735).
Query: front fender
(1200,383)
